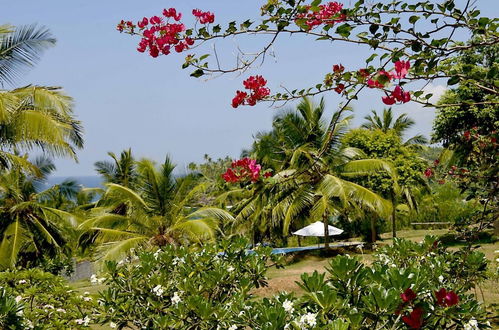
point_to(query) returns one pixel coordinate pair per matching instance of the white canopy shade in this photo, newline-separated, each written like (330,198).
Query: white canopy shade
(317,229)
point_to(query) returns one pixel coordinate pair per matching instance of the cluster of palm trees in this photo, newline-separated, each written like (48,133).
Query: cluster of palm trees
(315,177)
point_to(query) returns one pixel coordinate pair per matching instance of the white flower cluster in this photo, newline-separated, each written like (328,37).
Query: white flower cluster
(96,280)
(288,306)
(85,321)
(178,261)
(158,290)
(157,253)
(176,298)
(307,320)
(113,325)
(233,327)
(471,325)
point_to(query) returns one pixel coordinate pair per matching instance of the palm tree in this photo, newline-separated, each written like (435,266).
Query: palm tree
(156,212)
(29,227)
(122,170)
(309,183)
(400,125)
(32,116)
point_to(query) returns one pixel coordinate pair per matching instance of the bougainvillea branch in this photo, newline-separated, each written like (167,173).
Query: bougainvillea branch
(420,34)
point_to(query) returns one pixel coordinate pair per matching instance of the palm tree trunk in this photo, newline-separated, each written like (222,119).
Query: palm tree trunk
(373,229)
(326,230)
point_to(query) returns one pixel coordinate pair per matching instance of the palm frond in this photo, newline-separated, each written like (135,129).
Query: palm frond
(21,49)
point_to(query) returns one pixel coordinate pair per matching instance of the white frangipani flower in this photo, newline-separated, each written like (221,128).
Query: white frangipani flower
(233,327)
(176,298)
(471,325)
(288,306)
(21,282)
(158,290)
(230,269)
(308,319)
(112,325)
(18,299)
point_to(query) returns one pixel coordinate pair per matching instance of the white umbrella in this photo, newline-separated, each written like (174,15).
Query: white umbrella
(317,229)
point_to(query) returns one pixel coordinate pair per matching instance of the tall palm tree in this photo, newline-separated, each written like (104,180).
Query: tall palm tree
(308,184)
(400,125)
(32,116)
(157,211)
(28,226)
(122,170)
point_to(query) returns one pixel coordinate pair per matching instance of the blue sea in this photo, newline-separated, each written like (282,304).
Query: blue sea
(86,181)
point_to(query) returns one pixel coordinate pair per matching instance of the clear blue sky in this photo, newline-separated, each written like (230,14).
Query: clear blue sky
(127,99)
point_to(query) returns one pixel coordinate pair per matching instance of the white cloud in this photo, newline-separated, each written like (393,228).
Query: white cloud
(423,116)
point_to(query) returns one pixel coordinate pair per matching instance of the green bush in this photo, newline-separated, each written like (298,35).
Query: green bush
(49,303)
(418,285)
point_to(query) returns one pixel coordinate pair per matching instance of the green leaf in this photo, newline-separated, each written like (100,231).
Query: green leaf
(413,19)
(452,81)
(198,73)
(344,30)
(373,28)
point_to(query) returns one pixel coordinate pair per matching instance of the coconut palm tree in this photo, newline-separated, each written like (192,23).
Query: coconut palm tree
(309,183)
(156,212)
(400,125)
(29,228)
(122,170)
(32,117)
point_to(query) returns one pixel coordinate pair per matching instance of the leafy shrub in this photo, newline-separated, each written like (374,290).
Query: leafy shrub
(418,285)
(49,303)
(176,287)
(10,312)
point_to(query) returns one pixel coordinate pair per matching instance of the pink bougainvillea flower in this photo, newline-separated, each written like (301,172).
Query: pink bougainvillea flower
(327,14)
(401,96)
(204,17)
(415,319)
(388,100)
(239,99)
(408,295)
(172,12)
(143,23)
(401,69)
(155,20)
(242,170)
(338,89)
(256,84)
(338,68)
(446,298)
(467,135)
(428,172)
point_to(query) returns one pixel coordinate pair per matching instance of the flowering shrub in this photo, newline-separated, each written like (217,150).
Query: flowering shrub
(46,300)
(244,170)
(181,288)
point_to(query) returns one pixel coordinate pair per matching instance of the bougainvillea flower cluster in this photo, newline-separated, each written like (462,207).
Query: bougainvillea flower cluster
(256,84)
(415,318)
(408,295)
(204,17)
(161,34)
(327,14)
(244,170)
(398,94)
(446,298)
